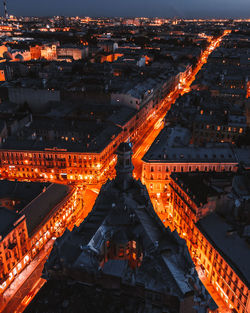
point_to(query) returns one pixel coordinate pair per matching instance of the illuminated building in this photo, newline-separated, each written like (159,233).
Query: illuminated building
(72,150)
(54,52)
(171,152)
(61,150)
(35,52)
(111,57)
(6,28)
(14,246)
(215,227)
(216,128)
(123,246)
(21,56)
(49,52)
(150,92)
(76,53)
(2,76)
(3,50)
(31,214)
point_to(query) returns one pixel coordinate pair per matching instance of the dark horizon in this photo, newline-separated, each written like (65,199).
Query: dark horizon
(226,9)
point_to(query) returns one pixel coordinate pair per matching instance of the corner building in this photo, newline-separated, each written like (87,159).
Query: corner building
(31,214)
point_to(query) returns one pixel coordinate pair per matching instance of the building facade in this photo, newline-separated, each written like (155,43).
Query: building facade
(214,245)
(45,216)
(14,246)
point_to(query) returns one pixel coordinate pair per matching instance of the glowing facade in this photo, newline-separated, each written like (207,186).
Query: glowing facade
(25,233)
(214,248)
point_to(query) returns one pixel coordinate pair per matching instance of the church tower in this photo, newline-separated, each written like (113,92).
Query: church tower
(124,167)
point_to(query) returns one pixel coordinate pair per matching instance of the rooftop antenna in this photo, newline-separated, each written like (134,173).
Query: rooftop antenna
(5,9)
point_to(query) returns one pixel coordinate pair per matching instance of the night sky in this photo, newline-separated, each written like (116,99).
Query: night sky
(161,8)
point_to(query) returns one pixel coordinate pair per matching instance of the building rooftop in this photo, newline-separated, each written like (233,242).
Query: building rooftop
(35,200)
(121,116)
(21,193)
(74,136)
(201,186)
(38,210)
(7,221)
(172,147)
(233,248)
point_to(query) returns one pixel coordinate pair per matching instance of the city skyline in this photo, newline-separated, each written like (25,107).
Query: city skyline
(147,8)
